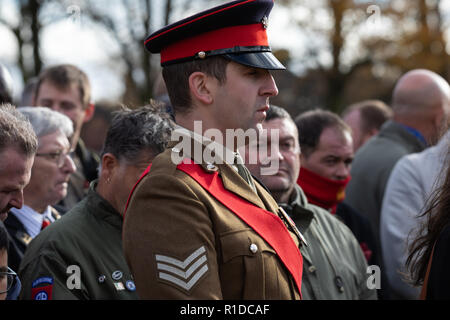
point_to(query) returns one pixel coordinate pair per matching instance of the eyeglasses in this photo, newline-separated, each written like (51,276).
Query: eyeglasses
(10,279)
(58,157)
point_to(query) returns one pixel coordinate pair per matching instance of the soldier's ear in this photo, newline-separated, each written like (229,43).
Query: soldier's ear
(201,87)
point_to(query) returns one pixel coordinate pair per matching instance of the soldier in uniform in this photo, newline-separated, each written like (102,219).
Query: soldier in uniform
(81,256)
(66,89)
(197,225)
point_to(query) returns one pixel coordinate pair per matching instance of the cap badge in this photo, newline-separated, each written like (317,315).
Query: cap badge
(265,22)
(201,54)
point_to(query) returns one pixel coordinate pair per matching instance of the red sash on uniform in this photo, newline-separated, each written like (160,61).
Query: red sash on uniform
(268,225)
(134,187)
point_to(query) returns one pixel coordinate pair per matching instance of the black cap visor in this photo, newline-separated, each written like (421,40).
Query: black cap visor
(263,60)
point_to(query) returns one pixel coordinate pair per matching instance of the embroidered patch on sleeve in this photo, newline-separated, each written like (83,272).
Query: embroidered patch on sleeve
(41,288)
(183,274)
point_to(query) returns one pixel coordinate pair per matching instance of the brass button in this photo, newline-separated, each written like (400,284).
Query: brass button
(312,269)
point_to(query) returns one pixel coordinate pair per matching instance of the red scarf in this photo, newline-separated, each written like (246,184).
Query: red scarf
(323,192)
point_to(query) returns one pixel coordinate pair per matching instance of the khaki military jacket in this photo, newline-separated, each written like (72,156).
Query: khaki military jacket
(181,243)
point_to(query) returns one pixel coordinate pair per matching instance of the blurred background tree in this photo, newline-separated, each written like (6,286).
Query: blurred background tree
(350,49)
(357,49)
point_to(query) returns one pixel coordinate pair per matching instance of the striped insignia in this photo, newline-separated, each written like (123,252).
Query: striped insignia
(184,274)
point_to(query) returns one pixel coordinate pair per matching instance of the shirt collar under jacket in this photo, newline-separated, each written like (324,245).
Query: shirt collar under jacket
(31,219)
(415,133)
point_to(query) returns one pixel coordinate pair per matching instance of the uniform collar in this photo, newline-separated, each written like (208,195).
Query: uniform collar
(189,144)
(221,153)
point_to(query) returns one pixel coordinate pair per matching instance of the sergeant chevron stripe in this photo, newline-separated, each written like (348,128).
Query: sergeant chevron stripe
(169,266)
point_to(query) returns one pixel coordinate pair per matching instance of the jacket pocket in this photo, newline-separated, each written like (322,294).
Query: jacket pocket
(248,266)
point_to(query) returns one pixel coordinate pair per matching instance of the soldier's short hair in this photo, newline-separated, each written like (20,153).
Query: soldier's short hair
(16,131)
(311,124)
(132,131)
(64,76)
(176,77)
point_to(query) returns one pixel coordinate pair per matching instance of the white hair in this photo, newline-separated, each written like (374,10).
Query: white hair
(46,121)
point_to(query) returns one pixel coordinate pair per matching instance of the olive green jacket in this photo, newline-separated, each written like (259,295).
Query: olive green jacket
(334,266)
(85,243)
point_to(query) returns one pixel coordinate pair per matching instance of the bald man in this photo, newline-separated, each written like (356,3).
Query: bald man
(420,103)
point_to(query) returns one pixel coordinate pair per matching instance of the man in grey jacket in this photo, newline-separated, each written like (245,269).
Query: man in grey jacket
(334,266)
(420,103)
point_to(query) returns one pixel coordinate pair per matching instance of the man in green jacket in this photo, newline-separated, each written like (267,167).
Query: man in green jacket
(81,257)
(334,266)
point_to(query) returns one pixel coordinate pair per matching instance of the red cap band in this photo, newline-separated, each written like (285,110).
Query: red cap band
(243,36)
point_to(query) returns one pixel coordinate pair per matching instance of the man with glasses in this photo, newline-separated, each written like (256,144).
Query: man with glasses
(9,282)
(66,89)
(48,184)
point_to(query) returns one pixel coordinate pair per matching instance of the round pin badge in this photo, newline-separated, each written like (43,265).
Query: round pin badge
(130,285)
(101,278)
(117,275)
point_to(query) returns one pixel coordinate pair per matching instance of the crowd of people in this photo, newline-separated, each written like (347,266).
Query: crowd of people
(99,201)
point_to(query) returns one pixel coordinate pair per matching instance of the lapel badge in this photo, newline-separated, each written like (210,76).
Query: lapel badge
(117,275)
(130,285)
(119,286)
(265,22)
(101,278)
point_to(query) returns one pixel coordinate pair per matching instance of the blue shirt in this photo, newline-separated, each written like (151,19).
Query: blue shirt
(415,133)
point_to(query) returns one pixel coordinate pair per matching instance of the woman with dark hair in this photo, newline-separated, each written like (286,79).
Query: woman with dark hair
(429,253)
